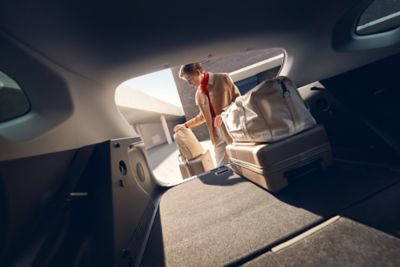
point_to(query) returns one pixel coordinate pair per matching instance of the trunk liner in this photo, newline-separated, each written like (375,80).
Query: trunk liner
(218,220)
(342,243)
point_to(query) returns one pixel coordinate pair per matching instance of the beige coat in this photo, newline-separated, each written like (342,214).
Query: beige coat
(222,92)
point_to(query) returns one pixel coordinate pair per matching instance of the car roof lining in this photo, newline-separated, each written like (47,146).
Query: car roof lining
(111,43)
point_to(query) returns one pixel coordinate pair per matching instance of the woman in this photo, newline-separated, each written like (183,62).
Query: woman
(215,92)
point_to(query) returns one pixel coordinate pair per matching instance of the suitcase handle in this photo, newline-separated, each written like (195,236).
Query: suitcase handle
(220,172)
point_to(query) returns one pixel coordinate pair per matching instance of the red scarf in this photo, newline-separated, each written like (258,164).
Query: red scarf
(204,89)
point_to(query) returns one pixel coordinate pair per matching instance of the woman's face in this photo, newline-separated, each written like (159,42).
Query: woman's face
(194,79)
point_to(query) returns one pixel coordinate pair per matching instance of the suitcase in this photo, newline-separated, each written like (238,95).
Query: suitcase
(188,145)
(271,111)
(195,166)
(268,164)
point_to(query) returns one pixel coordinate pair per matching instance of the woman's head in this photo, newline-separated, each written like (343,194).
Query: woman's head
(192,73)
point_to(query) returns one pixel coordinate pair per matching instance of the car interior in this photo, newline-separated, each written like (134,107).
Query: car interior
(75,186)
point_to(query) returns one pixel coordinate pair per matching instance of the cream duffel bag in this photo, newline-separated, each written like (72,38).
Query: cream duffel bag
(188,145)
(269,112)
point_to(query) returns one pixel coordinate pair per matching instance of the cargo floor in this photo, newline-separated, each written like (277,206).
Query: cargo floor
(366,234)
(224,219)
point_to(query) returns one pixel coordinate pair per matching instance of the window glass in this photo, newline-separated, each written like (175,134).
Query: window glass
(381,15)
(13,102)
(247,84)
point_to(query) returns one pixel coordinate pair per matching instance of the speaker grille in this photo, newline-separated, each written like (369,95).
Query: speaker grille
(140,172)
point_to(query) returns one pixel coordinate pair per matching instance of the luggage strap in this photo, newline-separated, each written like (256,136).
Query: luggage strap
(242,119)
(285,91)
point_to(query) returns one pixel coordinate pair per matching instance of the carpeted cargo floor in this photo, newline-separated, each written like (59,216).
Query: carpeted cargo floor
(219,220)
(381,211)
(367,234)
(342,243)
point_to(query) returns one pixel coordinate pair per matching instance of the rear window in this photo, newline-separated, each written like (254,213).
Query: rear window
(380,16)
(13,102)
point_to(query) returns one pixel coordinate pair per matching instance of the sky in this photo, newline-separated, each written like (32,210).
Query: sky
(159,84)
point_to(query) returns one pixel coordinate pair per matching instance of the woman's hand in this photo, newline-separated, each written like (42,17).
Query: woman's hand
(218,121)
(179,127)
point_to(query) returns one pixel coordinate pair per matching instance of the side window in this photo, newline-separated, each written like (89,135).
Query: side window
(13,102)
(246,84)
(380,16)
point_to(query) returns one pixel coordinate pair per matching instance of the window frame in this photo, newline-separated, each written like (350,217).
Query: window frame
(27,104)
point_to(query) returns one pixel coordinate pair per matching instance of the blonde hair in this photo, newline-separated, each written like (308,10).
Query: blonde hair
(190,69)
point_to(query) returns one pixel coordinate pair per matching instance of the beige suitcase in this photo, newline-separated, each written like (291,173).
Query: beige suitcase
(271,111)
(197,165)
(188,144)
(267,164)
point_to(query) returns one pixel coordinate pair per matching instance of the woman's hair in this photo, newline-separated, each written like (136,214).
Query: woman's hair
(190,69)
